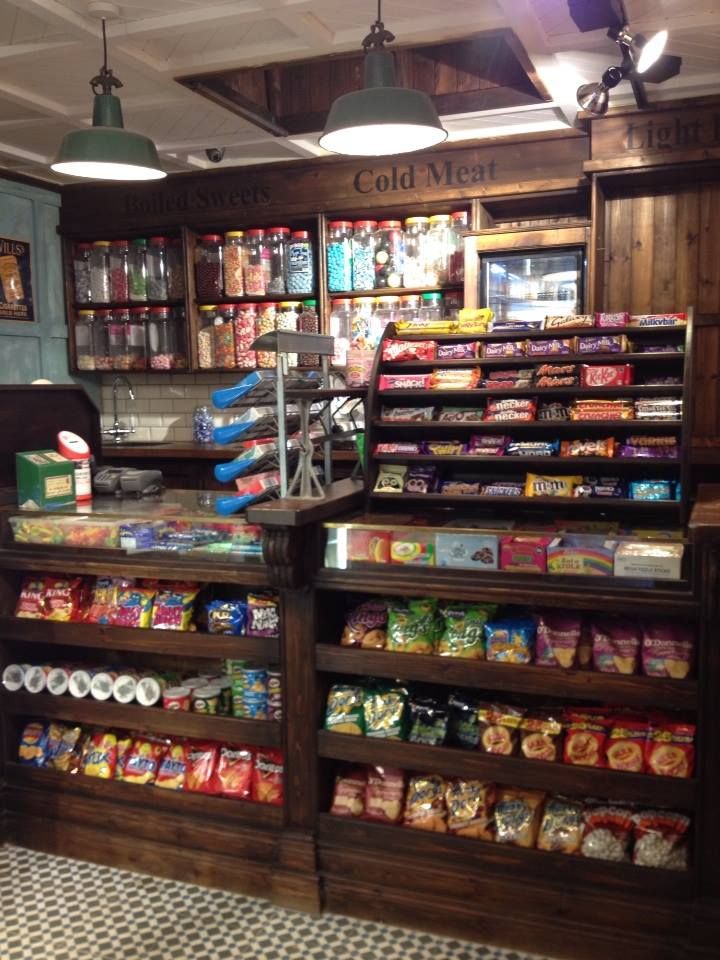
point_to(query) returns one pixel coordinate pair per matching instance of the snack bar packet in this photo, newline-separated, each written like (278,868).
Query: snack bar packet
(173,768)
(100,756)
(385,713)
(366,626)
(470,805)
(344,712)
(661,839)
(670,749)
(607,833)
(33,745)
(414,628)
(267,782)
(561,828)
(517,816)
(616,646)
(463,635)
(667,650)
(234,772)
(349,793)
(557,639)
(425,804)
(384,795)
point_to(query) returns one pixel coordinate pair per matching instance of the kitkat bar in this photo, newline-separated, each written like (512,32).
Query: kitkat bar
(606,374)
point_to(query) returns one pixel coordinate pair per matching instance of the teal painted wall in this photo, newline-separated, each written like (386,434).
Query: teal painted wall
(38,349)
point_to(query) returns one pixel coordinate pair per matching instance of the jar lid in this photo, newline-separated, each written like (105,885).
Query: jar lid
(159,310)
(388,301)
(255,232)
(432,297)
(279,230)
(234,234)
(412,299)
(416,220)
(138,309)
(340,224)
(365,301)
(140,242)
(208,306)
(120,243)
(211,238)
(460,215)
(158,241)
(105,312)
(267,305)
(101,243)
(439,218)
(310,303)
(84,246)
(204,693)
(365,224)
(390,224)
(301,234)
(289,303)
(342,302)
(226,306)
(86,313)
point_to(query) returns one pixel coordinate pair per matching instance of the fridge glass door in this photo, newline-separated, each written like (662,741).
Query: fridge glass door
(530,286)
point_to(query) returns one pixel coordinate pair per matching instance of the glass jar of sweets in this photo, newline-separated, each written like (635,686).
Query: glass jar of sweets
(136,334)
(456,271)
(81,272)
(208,267)
(206,336)
(203,424)
(117,338)
(246,320)
(119,254)
(85,340)
(287,319)
(137,271)
(431,307)
(362,322)
(277,243)
(267,321)
(224,337)
(257,263)
(100,271)
(439,248)
(363,254)
(157,286)
(308,323)
(341,329)
(300,263)
(387,310)
(175,269)
(161,339)
(233,262)
(339,256)
(388,254)
(415,263)
(101,340)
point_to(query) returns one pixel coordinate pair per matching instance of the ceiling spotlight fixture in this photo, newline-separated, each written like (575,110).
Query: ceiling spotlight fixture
(382,118)
(106,151)
(643,53)
(595,97)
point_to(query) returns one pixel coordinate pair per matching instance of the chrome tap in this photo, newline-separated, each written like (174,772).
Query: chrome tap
(118,429)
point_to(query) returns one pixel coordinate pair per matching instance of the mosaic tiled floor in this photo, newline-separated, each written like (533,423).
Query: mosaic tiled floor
(52,908)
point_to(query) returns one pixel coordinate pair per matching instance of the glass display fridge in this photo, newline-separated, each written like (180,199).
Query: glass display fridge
(531,285)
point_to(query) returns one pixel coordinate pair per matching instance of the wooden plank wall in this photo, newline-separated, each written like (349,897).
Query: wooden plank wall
(662,253)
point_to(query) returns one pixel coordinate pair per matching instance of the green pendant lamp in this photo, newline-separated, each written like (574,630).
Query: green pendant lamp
(381,119)
(106,151)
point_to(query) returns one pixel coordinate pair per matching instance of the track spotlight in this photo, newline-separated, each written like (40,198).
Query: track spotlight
(595,97)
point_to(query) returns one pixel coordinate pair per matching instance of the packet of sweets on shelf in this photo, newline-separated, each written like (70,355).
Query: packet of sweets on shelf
(404,381)
(458,351)
(384,794)
(201,758)
(612,320)
(504,348)
(537,485)
(460,415)
(233,774)
(425,804)
(398,448)
(454,379)
(470,805)
(658,320)
(349,793)
(568,321)
(173,768)
(407,414)
(425,326)
(550,348)
(267,782)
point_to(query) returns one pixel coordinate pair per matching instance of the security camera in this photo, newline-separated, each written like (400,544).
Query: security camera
(215,154)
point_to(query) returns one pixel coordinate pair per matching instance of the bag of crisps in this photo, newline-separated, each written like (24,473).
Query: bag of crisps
(133,607)
(100,756)
(233,774)
(64,598)
(345,711)
(124,744)
(267,782)
(31,602)
(33,745)
(470,806)
(63,747)
(425,804)
(384,795)
(173,768)
(143,760)
(349,793)
(201,761)
(173,607)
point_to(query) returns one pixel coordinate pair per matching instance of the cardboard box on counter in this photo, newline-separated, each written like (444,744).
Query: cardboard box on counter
(472,551)
(45,480)
(649,561)
(585,556)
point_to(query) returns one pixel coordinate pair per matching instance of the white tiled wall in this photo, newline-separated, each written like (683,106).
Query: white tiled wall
(164,403)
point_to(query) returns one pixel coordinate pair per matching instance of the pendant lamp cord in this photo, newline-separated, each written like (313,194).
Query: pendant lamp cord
(104,81)
(378,35)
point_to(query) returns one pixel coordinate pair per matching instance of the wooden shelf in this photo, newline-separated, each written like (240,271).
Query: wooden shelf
(613,358)
(130,304)
(134,717)
(53,559)
(176,642)
(533,426)
(616,393)
(392,291)
(540,590)
(128,794)
(483,859)
(515,771)
(635,691)
(572,503)
(604,463)
(560,334)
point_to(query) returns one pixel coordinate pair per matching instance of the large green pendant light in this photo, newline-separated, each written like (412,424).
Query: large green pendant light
(382,119)
(106,151)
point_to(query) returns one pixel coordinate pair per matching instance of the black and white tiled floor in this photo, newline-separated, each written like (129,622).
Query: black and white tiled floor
(52,908)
